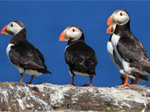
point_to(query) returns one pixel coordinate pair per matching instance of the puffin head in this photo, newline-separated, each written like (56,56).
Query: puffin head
(71,33)
(12,28)
(119,17)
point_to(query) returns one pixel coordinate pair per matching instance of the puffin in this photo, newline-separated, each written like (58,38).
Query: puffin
(80,58)
(128,49)
(112,54)
(26,58)
(117,62)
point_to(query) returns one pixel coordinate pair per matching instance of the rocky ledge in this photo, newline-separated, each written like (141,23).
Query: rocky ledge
(48,97)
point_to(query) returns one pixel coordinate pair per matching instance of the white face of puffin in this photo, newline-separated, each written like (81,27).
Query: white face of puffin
(74,33)
(121,17)
(14,28)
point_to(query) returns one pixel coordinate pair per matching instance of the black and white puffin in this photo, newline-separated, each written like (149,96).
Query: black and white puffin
(112,54)
(117,62)
(129,50)
(22,54)
(81,58)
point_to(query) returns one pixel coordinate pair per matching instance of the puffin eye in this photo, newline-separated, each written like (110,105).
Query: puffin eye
(121,14)
(11,25)
(73,30)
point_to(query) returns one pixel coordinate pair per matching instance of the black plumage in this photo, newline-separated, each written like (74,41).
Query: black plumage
(25,55)
(129,50)
(80,57)
(22,54)
(119,66)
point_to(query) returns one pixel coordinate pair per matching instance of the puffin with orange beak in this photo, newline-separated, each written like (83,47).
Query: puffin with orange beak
(81,58)
(127,49)
(22,54)
(117,62)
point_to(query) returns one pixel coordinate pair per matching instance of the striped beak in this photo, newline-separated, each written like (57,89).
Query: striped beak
(5,31)
(112,20)
(111,29)
(64,36)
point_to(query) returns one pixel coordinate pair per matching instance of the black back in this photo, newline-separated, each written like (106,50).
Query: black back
(25,55)
(129,47)
(80,57)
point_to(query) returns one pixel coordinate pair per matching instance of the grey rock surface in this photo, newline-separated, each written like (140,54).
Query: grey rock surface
(48,97)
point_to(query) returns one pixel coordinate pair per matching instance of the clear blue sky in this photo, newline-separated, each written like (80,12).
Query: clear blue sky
(45,20)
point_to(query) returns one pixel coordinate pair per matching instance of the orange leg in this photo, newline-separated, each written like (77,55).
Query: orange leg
(72,81)
(30,80)
(91,78)
(126,81)
(21,76)
(137,77)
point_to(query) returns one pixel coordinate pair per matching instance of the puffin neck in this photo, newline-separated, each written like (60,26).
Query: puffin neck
(81,39)
(20,36)
(122,30)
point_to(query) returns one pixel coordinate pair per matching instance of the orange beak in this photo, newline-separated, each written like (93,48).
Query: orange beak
(112,20)
(63,36)
(109,20)
(111,29)
(5,30)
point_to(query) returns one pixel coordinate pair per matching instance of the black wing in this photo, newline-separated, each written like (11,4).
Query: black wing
(81,58)
(117,60)
(131,49)
(25,55)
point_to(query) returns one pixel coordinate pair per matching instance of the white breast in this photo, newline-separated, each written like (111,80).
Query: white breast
(115,39)
(21,70)
(8,49)
(110,48)
(110,52)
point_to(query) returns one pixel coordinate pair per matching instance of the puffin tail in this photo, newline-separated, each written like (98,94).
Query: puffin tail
(44,71)
(49,72)
(145,65)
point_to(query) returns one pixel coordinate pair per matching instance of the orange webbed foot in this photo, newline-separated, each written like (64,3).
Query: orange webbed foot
(125,85)
(132,84)
(28,82)
(71,84)
(85,85)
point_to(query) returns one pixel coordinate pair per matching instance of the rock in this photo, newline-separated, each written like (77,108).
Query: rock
(48,97)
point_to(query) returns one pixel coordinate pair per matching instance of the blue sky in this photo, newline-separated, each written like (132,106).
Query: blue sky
(45,20)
